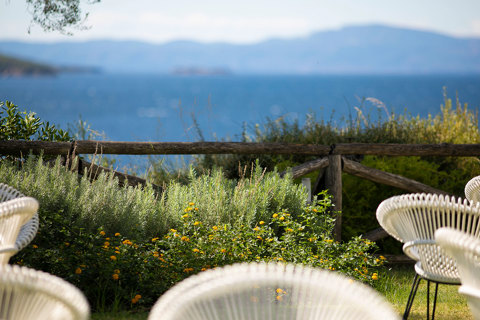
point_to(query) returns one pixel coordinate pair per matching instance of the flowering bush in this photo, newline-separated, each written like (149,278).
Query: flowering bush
(117,272)
(304,238)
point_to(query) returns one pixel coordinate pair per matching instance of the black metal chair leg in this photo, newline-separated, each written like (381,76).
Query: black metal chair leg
(435,301)
(411,297)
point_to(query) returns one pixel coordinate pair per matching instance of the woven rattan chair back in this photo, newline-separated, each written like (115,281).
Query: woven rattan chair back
(465,249)
(270,292)
(413,220)
(18,221)
(27,294)
(472,189)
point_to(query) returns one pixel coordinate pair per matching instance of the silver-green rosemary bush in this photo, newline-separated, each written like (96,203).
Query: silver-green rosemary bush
(138,212)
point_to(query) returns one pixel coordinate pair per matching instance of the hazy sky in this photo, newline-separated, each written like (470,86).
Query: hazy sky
(245,21)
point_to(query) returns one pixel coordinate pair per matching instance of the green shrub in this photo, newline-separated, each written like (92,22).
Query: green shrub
(455,123)
(117,243)
(117,272)
(17,125)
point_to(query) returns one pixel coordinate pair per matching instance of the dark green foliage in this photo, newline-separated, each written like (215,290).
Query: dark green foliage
(23,125)
(454,124)
(57,15)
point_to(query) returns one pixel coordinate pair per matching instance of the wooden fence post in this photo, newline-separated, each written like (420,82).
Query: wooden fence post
(333,182)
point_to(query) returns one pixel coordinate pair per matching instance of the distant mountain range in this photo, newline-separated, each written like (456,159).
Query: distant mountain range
(351,50)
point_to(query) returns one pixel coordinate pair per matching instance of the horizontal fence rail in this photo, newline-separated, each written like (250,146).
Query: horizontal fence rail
(330,162)
(15,147)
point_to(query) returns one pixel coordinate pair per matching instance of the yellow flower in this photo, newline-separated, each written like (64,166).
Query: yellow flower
(275,215)
(281,218)
(328,240)
(113,258)
(117,271)
(215,228)
(127,242)
(83,266)
(102,233)
(154,239)
(106,244)
(259,238)
(115,276)
(185,238)
(279,298)
(196,250)
(78,271)
(223,250)
(134,301)
(288,230)
(67,244)
(279,290)
(187,270)
(196,223)
(383,258)
(203,269)
(107,239)
(261,222)
(173,230)
(117,252)
(138,297)
(375,276)
(256,229)
(191,204)
(117,234)
(185,216)
(35,246)
(196,209)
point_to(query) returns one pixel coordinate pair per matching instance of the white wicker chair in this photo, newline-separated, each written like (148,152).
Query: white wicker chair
(472,189)
(270,292)
(413,220)
(465,249)
(27,294)
(18,221)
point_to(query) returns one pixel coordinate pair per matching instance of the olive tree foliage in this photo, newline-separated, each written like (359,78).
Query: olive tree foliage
(59,15)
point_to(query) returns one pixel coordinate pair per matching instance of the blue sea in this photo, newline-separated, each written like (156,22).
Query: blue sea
(140,107)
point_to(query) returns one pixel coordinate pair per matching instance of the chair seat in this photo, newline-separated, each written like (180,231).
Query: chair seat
(28,294)
(432,262)
(270,291)
(435,276)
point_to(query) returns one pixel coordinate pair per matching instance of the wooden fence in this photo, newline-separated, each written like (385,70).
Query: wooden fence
(331,163)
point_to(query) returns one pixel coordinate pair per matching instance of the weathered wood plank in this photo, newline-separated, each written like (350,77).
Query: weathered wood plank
(307,167)
(17,147)
(109,147)
(117,147)
(386,149)
(376,234)
(387,178)
(94,170)
(333,182)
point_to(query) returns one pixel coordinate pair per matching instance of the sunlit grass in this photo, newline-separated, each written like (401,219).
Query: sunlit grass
(395,285)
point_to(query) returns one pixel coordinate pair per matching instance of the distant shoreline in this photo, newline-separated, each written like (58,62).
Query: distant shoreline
(15,67)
